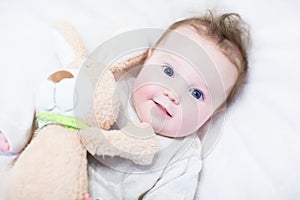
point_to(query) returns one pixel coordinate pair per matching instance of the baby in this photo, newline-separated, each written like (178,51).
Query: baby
(194,70)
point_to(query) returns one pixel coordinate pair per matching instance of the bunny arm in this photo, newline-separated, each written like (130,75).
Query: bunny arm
(140,149)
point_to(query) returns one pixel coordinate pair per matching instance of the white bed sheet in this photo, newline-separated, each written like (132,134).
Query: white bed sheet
(257,156)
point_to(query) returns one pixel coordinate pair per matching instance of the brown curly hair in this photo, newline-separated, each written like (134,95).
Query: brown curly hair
(230,34)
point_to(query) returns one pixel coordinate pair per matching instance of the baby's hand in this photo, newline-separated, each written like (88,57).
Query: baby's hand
(4,146)
(86,196)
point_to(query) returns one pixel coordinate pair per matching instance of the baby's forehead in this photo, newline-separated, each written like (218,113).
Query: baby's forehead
(181,47)
(176,60)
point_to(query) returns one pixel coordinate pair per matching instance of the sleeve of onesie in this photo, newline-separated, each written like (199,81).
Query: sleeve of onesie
(179,181)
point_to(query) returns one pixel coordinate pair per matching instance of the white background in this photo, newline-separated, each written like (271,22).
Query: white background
(257,156)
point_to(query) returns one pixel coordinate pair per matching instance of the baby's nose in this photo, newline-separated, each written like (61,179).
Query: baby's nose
(173,98)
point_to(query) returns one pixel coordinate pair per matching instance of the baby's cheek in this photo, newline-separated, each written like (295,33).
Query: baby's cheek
(193,117)
(190,125)
(143,115)
(203,117)
(175,127)
(144,92)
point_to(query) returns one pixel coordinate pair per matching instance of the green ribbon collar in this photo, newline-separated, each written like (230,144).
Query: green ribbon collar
(66,121)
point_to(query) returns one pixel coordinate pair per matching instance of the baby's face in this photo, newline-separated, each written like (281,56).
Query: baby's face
(177,97)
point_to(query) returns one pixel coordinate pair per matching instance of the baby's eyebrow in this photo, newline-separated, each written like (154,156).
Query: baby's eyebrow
(171,57)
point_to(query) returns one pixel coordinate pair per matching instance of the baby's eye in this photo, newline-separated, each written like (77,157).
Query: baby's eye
(168,70)
(197,94)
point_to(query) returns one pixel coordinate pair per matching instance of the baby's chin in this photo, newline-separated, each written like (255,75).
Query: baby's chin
(171,133)
(159,129)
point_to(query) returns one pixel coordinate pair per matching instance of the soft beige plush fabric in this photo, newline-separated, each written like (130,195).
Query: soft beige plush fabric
(54,164)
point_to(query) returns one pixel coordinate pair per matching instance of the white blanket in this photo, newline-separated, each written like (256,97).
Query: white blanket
(257,156)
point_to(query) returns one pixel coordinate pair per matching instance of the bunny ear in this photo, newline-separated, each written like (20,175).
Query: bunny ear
(68,44)
(130,63)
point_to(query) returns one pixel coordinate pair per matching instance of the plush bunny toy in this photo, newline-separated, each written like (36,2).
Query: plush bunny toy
(54,164)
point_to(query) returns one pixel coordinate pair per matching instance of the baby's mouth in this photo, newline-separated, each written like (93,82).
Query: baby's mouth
(162,108)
